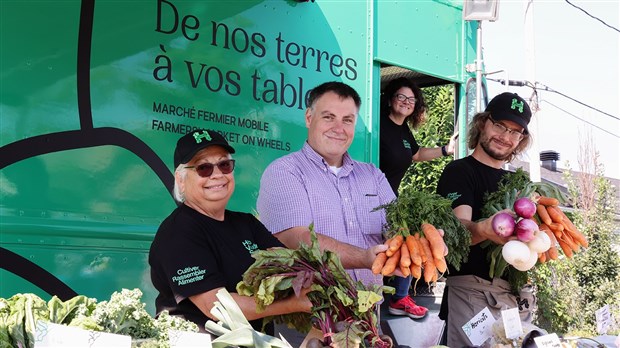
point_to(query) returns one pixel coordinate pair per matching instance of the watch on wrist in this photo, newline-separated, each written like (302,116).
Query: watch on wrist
(443,151)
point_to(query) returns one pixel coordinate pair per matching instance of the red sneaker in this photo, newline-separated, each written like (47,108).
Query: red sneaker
(407,306)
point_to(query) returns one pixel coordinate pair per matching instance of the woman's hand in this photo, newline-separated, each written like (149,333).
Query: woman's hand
(452,144)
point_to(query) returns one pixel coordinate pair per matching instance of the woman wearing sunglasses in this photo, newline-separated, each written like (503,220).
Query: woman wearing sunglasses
(201,246)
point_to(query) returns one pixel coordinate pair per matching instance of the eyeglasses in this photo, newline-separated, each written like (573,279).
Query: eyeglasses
(206,169)
(514,135)
(402,98)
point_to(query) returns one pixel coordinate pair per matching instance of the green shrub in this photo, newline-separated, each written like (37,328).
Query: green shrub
(569,291)
(435,131)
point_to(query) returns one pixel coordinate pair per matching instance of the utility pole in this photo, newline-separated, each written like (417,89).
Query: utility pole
(531,76)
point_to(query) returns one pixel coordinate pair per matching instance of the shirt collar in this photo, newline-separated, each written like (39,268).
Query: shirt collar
(314,157)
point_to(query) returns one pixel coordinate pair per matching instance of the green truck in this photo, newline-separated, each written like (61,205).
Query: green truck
(94,95)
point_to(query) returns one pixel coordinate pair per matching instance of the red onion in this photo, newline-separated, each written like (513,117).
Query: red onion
(524,207)
(526,230)
(503,224)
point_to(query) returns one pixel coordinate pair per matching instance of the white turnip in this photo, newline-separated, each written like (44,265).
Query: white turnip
(540,243)
(528,264)
(503,224)
(524,207)
(526,229)
(516,252)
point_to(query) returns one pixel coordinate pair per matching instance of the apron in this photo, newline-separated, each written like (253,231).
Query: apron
(468,295)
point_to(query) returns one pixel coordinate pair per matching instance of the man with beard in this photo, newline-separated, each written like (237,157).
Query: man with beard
(496,136)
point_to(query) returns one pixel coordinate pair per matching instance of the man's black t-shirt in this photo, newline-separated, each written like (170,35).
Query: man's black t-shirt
(465,182)
(193,253)
(396,148)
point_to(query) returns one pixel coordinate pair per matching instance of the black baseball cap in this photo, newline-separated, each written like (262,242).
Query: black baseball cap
(189,144)
(510,107)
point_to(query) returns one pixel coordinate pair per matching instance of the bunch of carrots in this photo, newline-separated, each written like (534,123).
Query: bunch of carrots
(559,228)
(413,254)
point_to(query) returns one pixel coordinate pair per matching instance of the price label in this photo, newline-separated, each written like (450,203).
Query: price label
(55,335)
(512,323)
(548,341)
(603,320)
(179,339)
(478,328)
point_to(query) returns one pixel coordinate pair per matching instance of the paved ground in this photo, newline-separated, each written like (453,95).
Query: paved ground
(418,333)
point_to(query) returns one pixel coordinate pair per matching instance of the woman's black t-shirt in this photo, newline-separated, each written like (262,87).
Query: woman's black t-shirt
(193,253)
(396,149)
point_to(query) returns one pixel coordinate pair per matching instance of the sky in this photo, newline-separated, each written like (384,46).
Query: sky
(569,52)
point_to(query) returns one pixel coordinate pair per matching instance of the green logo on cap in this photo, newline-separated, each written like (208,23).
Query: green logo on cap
(517,104)
(199,136)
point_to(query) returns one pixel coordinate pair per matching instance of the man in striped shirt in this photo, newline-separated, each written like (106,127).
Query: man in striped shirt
(322,184)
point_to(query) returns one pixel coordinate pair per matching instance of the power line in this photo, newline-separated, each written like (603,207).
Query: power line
(543,87)
(579,118)
(586,12)
(549,89)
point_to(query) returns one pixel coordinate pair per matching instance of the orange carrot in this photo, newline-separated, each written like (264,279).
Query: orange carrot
(548,201)
(379,262)
(441,264)
(429,271)
(577,236)
(414,252)
(565,248)
(568,239)
(554,213)
(391,263)
(396,242)
(389,252)
(568,221)
(406,271)
(416,271)
(542,257)
(429,265)
(553,250)
(434,239)
(575,233)
(542,214)
(423,255)
(405,258)
(427,248)
(556,227)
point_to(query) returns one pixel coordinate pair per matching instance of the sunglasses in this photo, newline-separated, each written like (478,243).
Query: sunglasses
(206,169)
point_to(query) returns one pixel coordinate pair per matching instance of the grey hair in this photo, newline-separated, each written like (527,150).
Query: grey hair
(176,191)
(178,195)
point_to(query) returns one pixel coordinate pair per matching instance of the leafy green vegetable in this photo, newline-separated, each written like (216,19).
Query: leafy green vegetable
(406,214)
(513,186)
(123,314)
(234,329)
(278,273)
(5,312)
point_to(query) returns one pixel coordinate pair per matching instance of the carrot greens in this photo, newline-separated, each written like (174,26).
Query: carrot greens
(406,214)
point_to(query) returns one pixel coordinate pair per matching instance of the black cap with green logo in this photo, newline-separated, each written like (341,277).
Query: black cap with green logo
(510,107)
(189,144)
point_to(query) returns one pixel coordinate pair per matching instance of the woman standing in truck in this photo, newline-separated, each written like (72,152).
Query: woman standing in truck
(201,246)
(403,108)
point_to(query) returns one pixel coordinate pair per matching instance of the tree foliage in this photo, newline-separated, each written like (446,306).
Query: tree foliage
(569,292)
(435,131)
